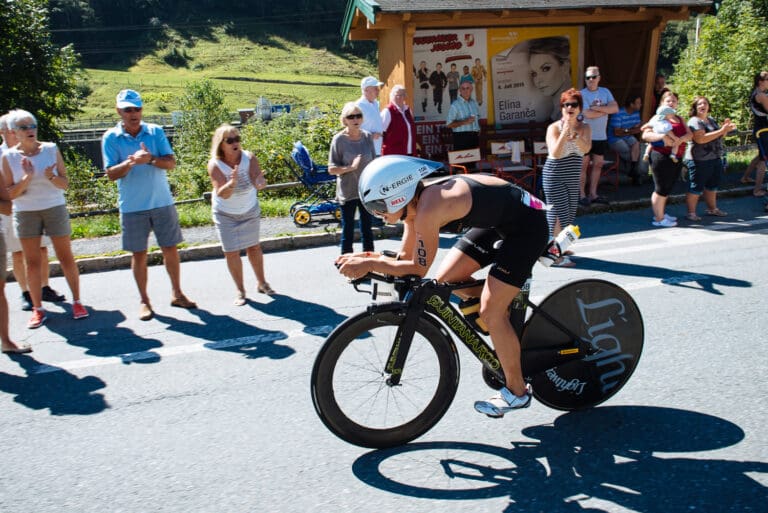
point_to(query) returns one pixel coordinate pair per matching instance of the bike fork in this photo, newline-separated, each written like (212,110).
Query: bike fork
(402,343)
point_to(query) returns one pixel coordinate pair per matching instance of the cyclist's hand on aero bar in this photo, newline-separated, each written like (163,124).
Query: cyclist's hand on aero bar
(353,265)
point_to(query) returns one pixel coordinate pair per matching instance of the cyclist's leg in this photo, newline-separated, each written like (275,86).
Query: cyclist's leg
(494,302)
(471,253)
(524,243)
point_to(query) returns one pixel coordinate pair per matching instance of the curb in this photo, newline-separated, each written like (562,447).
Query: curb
(290,242)
(211,251)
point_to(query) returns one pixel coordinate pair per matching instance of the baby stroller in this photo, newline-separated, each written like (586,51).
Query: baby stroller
(320,183)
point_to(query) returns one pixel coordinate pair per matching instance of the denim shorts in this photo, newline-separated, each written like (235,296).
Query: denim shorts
(164,221)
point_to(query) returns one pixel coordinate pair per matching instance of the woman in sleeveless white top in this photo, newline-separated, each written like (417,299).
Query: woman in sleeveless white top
(236,176)
(36,178)
(567,141)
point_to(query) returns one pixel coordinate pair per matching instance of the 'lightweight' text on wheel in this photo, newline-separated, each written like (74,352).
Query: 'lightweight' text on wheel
(353,394)
(604,316)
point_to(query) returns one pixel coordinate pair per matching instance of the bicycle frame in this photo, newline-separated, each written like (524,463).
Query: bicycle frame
(434,298)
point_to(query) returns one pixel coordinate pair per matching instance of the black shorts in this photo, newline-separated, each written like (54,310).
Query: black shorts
(520,246)
(599,148)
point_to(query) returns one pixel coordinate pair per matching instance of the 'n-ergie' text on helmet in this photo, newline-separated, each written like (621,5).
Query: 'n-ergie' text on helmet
(388,183)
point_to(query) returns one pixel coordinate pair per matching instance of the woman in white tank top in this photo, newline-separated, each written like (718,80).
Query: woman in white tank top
(36,179)
(236,176)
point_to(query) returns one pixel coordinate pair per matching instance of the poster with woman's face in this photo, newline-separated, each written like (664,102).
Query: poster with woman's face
(530,69)
(442,59)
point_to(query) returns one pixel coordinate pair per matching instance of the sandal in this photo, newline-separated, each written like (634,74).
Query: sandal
(716,212)
(17,349)
(691,216)
(747,180)
(265,289)
(183,302)
(240,299)
(758,193)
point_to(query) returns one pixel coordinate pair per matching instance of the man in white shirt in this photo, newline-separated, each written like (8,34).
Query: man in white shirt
(369,105)
(598,104)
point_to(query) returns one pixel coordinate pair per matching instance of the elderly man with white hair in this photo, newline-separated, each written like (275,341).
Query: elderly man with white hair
(398,125)
(369,105)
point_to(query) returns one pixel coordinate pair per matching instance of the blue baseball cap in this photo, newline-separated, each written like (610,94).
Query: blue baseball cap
(128,98)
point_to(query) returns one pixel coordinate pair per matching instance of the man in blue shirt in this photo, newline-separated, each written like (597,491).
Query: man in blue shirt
(464,119)
(137,155)
(622,130)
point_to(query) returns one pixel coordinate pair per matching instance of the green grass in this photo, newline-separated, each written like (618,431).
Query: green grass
(276,68)
(190,214)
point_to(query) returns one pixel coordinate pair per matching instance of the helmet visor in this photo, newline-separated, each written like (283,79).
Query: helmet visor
(376,207)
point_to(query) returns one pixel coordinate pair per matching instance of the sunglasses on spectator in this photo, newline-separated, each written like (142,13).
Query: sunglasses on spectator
(355,116)
(26,127)
(131,110)
(232,140)
(573,105)
(592,77)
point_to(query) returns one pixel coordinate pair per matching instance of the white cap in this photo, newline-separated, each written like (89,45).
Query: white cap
(370,82)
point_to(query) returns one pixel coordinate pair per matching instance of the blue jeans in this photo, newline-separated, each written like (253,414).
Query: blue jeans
(348,226)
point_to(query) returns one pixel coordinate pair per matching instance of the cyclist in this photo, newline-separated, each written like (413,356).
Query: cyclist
(508,230)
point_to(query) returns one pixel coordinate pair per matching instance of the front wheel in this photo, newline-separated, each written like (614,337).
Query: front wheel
(352,392)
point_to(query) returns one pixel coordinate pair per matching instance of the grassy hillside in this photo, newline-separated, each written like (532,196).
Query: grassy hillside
(244,69)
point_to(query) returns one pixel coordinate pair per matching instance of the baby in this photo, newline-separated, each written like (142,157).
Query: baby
(662,124)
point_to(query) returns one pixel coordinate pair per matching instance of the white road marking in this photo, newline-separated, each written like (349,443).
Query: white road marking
(598,247)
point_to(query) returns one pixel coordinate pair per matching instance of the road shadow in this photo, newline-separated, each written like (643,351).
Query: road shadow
(317,319)
(612,454)
(102,336)
(225,333)
(673,277)
(53,388)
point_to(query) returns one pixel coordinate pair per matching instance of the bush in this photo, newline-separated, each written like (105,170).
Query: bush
(272,141)
(85,191)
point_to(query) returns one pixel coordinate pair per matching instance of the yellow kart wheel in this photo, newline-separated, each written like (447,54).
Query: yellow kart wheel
(302,217)
(337,214)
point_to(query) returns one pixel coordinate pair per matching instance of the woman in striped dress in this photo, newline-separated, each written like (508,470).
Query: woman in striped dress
(568,139)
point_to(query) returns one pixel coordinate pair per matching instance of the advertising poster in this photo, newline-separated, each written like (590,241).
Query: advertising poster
(440,59)
(529,68)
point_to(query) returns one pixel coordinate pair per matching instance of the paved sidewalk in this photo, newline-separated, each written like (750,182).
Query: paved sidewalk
(280,234)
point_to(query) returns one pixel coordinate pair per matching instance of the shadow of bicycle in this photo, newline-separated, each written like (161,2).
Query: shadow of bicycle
(614,454)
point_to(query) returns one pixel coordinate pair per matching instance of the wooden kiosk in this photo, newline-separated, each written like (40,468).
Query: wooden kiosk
(495,41)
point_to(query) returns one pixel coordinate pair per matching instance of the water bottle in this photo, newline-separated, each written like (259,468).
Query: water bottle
(471,310)
(518,306)
(560,245)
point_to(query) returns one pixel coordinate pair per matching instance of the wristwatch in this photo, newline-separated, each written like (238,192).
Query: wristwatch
(152,161)
(391,254)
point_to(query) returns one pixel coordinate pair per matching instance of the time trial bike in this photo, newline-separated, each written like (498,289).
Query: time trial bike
(387,375)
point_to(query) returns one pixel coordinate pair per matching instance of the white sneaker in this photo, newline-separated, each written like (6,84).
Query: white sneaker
(664,223)
(504,402)
(667,217)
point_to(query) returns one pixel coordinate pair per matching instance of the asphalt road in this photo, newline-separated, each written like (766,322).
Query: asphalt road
(209,409)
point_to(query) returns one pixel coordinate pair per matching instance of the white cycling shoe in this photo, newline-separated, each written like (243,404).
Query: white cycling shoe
(503,402)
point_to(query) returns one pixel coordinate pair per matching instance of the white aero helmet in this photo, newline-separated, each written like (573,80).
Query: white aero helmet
(388,183)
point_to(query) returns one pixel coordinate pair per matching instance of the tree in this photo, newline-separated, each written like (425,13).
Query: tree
(37,75)
(731,49)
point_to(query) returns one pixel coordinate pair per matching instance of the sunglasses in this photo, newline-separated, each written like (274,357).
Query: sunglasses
(131,110)
(355,116)
(232,140)
(592,77)
(573,105)
(26,127)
